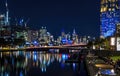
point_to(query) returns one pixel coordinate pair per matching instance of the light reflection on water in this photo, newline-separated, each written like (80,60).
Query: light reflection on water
(19,63)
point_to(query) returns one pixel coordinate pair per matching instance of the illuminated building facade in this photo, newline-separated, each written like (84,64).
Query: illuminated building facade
(5,29)
(109,17)
(32,36)
(74,37)
(2,20)
(118,30)
(44,36)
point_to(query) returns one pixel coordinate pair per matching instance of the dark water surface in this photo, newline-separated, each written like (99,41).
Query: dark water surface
(38,64)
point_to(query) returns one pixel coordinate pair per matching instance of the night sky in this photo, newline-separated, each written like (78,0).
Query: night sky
(82,15)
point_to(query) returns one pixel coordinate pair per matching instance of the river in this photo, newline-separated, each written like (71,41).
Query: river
(34,63)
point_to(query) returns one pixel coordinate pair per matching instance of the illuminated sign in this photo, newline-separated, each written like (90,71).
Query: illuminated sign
(118,43)
(112,41)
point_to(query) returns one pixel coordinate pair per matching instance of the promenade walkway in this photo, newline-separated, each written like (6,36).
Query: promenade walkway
(98,67)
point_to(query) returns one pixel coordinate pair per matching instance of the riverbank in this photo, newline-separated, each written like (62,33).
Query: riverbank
(97,66)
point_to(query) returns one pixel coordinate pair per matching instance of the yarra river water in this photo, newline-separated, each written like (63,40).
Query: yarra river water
(34,63)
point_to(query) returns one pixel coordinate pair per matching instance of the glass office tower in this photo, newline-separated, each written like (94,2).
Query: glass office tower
(109,17)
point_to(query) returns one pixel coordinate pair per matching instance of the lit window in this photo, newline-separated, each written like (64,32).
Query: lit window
(113,9)
(109,9)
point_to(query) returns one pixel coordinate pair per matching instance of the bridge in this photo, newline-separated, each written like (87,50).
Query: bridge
(45,48)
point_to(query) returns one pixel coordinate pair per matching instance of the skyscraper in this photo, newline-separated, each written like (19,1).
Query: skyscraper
(109,17)
(7,14)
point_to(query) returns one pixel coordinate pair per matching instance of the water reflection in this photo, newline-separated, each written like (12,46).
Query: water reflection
(19,63)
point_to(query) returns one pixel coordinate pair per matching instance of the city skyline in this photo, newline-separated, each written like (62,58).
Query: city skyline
(60,37)
(67,15)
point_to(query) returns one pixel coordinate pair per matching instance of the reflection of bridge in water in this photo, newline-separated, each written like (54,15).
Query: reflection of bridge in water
(46,48)
(33,56)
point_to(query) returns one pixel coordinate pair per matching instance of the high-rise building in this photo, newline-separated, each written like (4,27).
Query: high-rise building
(63,33)
(118,30)
(5,29)
(44,36)
(32,35)
(2,19)
(7,14)
(109,17)
(74,37)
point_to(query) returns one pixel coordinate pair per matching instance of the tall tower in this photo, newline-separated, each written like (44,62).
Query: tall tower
(109,17)
(63,33)
(7,14)
(74,32)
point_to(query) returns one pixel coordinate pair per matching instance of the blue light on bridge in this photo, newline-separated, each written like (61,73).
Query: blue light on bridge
(35,43)
(64,56)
